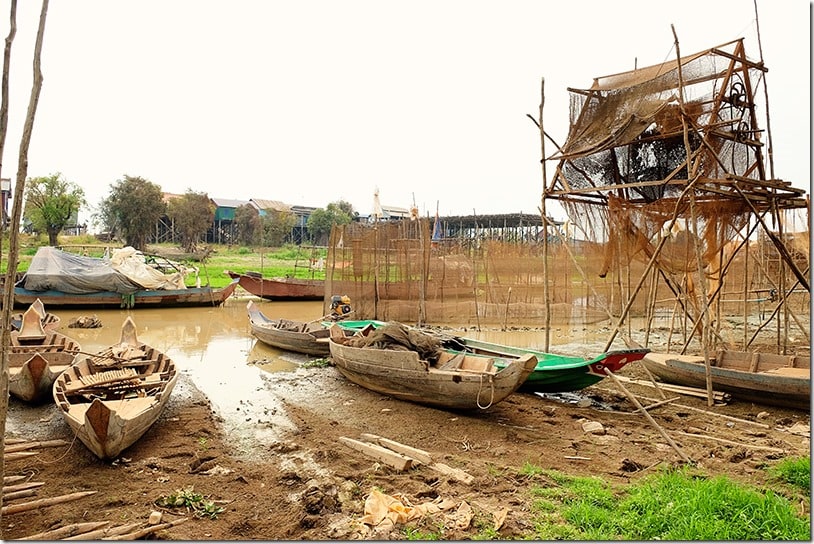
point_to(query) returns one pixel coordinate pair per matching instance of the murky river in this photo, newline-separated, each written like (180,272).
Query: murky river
(215,350)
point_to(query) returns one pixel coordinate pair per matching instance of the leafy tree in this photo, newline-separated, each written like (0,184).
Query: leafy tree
(132,209)
(249,225)
(277,226)
(322,220)
(50,203)
(192,215)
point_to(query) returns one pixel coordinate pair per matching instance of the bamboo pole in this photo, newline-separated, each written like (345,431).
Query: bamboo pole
(136,535)
(544,217)
(652,421)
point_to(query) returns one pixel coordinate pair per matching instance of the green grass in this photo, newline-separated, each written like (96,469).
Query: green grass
(670,505)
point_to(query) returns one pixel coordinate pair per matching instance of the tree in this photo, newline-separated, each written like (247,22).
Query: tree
(50,203)
(322,220)
(132,209)
(192,214)
(276,226)
(249,225)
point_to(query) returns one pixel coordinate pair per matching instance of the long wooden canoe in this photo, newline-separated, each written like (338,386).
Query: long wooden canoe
(554,373)
(762,378)
(442,379)
(280,288)
(36,356)
(112,398)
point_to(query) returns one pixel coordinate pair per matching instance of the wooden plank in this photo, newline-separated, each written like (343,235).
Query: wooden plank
(392,458)
(418,455)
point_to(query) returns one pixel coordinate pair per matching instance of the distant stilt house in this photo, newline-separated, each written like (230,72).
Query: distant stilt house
(300,234)
(224,229)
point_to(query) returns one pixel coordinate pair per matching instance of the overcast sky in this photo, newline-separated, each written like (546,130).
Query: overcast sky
(309,102)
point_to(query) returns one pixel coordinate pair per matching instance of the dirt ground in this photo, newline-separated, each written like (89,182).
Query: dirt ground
(307,484)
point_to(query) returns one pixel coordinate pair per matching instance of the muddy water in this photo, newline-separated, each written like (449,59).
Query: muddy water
(217,354)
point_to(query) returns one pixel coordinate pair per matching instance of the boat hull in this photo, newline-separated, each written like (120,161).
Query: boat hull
(280,288)
(153,298)
(556,373)
(774,385)
(110,407)
(403,375)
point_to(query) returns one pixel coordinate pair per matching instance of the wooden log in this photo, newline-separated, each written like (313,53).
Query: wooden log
(20,487)
(418,455)
(68,530)
(454,473)
(12,479)
(38,444)
(19,455)
(8,441)
(18,495)
(392,458)
(33,505)
(104,534)
(141,533)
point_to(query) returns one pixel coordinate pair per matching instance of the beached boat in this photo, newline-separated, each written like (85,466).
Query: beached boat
(416,368)
(280,288)
(125,280)
(310,338)
(36,356)
(49,321)
(554,373)
(762,378)
(112,398)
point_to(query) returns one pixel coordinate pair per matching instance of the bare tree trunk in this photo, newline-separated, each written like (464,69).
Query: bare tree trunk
(14,230)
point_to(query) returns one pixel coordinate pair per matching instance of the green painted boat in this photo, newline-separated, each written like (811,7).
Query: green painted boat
(554,373)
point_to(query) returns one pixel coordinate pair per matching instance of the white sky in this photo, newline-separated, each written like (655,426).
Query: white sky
(309,102)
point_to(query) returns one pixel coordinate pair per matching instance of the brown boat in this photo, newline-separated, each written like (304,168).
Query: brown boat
(112,398)
(36,357)
(280,288)
(762,378)
(420,371)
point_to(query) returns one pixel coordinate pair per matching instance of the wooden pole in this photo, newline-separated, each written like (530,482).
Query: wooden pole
(14,242)
(544,217)
(652,421)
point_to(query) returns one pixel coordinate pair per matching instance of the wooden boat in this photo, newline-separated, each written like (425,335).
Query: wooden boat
(762,378)
(420,371)
(125,280)
(144,298)
(49,321)
(36,357)
(112,398)
(280,288)
(554,373)
(310,338)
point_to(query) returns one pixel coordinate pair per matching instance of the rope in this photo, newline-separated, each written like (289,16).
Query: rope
(492,387)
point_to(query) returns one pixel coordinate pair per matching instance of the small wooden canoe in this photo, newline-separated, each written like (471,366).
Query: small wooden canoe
(36,357)
(310,338)
(417,370)
(762,378)
(112,398)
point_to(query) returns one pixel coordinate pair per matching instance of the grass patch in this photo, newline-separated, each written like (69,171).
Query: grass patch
(670,505)
(191,501)
(795,471)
